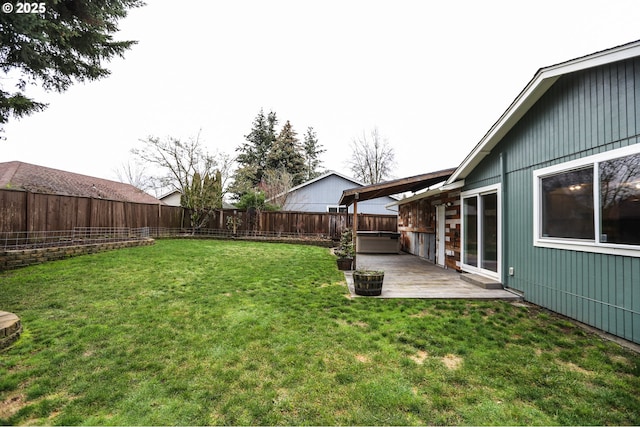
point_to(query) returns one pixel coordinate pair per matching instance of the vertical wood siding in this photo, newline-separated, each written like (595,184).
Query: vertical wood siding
(582,114)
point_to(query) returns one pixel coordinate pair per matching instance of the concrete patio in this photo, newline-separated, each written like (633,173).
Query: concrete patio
(408,276)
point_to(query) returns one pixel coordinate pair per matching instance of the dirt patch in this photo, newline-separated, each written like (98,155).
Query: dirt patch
(419,357)
(575,368)
(362,358)
(620,360)
(12,405)
(423,313)
(452,361)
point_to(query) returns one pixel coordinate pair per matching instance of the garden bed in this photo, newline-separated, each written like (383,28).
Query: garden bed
(16,258)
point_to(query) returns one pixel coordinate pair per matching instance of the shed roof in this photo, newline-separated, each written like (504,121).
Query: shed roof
(396,186)
(40,179)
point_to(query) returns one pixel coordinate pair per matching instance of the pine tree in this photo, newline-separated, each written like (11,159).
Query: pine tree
(65,41)
(286,155)
(312,150)
(252,157)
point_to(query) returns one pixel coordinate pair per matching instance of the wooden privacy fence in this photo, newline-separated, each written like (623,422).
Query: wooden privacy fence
(22,211)
(25,211)
(327,224)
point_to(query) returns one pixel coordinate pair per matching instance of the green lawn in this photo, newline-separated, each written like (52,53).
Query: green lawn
(219,332)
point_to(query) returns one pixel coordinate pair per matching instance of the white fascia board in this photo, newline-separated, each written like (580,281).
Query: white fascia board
(422,194)
(541,82)
(527,98)
(430,191)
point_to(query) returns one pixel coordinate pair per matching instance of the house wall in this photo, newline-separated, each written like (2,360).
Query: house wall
(584,113)
(317,196)
(172,199)
(417,224)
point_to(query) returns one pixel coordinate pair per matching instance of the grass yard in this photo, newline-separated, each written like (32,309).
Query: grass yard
(221,332)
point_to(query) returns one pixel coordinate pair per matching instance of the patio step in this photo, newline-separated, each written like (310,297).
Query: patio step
(483,282)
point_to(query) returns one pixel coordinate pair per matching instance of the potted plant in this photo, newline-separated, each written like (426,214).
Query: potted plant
(368,282)
(345,251)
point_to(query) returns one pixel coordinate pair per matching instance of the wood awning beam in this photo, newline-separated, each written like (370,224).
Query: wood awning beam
(397,186)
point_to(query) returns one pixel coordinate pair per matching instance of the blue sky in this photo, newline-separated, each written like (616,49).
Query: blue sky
(431,76)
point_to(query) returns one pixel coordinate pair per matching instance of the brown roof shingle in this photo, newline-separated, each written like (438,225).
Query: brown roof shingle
(40,179)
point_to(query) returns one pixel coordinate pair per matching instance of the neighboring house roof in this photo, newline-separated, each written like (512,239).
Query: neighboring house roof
(319,178)
(323,176)
(541,82)
(39,179)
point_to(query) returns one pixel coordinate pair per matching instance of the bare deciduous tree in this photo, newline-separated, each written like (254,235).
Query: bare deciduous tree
(178,161)
(189,168)
(372,158)
(276,184)
(135,174)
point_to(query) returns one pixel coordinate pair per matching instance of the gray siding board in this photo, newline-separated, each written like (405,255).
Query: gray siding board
(582,114)
(326,192)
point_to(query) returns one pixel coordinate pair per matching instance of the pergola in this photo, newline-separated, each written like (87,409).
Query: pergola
(396,186)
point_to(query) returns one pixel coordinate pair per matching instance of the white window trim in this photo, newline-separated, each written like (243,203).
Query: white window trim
(594,246)
(497,189)
(337,208)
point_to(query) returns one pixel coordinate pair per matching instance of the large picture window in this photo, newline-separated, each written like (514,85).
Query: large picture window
(620,200)
(592,203)
(567,205)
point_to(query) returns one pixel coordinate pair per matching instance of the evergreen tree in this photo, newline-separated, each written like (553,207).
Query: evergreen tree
(312,150)
(252,157)
(64,41)
(202,197)
(286,155)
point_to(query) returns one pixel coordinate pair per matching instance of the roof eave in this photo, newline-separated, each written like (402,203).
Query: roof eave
(535,89)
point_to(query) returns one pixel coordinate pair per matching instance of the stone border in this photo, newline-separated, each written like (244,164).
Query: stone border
(325,243)
(13,259)
(10,329)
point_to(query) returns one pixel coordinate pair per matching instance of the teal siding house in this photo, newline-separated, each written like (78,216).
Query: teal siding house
(550,197)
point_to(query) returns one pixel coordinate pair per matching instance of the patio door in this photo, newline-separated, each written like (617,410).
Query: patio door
(481,232)
(440,234)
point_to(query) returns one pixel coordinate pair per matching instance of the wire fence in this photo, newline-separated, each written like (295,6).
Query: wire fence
(228,233)
(82,236)
(79,236)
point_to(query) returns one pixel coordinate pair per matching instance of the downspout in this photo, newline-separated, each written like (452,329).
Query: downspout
(503,226)
(354,234)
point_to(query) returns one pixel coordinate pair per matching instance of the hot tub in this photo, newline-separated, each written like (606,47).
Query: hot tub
(378,242)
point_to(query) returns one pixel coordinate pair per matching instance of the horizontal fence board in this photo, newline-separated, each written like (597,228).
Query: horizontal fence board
(22,211)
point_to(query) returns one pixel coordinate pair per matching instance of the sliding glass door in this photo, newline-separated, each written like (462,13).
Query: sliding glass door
(489,252)
(481,231)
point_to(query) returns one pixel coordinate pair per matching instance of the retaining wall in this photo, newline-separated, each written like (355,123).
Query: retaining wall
(21,258)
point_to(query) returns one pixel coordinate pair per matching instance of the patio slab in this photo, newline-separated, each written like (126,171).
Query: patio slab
(408,276)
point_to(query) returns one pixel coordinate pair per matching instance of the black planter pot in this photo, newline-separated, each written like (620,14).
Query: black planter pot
(368,283)
(344,263)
